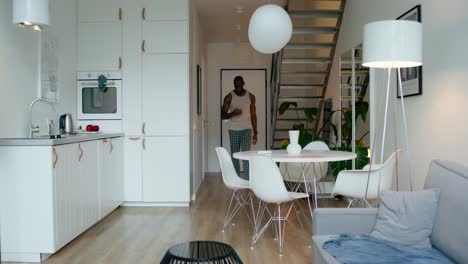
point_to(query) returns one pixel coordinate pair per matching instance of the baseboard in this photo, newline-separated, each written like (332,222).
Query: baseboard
(24,257)
(143,204)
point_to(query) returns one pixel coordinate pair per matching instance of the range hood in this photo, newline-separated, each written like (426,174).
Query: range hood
(31,13)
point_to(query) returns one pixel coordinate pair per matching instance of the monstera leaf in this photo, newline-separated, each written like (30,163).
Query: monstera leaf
(361,160)
(285,106)
(311,113)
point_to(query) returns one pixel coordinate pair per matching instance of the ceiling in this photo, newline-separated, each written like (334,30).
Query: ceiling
(221,20)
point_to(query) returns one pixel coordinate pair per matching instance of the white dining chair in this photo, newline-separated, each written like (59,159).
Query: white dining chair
(233,182)
(366,184)
(313,173)
(267,184)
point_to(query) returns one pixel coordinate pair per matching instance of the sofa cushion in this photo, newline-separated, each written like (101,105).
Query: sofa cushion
(450,232)
(406,218)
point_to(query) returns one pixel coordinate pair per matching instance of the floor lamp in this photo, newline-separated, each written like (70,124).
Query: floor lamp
(393,44)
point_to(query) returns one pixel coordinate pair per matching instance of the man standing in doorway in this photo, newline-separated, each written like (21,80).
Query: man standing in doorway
(239,107)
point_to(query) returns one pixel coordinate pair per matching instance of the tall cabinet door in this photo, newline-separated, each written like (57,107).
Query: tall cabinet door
(165,94)
(67,193)
(165,10)
(88,174)
(133,181)
(175,38)
(99,10)
(166,168)
(99,46)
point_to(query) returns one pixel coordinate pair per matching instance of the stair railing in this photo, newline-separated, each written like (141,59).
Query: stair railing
(275,90)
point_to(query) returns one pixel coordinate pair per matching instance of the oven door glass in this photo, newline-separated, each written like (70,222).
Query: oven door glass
(96,102)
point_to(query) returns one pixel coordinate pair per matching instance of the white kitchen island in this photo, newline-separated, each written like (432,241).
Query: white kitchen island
(52,190)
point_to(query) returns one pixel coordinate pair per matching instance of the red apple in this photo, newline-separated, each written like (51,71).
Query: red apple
(95,128)
(89,128)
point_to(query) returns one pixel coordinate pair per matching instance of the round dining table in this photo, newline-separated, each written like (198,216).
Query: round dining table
(305,157)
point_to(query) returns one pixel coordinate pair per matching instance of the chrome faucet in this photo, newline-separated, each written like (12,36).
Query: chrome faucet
(35,129)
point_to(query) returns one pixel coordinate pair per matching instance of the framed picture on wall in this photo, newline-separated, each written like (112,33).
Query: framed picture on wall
(411,78)
(199,89)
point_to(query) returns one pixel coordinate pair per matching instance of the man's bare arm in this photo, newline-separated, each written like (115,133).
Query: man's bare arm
(226,104)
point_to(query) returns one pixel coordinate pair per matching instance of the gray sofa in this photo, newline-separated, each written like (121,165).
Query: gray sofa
(450,232)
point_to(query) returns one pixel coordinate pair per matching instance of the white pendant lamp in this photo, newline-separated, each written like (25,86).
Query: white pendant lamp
(270,29)
(31,13)
(393,44)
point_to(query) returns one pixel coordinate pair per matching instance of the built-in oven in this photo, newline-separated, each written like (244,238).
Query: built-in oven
(99,95)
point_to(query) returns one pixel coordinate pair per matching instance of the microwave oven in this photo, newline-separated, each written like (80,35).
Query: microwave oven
(95,103)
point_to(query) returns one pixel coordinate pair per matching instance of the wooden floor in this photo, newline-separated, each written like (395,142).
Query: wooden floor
(142,235)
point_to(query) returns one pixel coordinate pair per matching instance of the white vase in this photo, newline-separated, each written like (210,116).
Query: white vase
(294,147)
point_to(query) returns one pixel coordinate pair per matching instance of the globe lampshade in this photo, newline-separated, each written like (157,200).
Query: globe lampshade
(392,44)
(270,29)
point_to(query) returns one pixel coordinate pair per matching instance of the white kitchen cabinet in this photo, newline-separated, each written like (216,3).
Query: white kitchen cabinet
(166,168)
(165,36)
(165,94)
(100,10)
(133,180)
(88,174)
(51,194)
(67,193)
(99,47)
(166,10)
(131,72)
(110,175)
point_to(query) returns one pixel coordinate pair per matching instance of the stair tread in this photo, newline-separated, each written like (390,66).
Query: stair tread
(316,12)
(320,60)
(314,30)
(310,46)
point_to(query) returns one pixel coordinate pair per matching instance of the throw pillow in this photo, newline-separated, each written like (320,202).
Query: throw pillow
(407,218)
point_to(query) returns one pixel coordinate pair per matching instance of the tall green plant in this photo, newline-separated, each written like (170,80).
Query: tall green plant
(307,136)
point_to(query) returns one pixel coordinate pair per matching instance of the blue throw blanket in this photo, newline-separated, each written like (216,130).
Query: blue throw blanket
(361,249)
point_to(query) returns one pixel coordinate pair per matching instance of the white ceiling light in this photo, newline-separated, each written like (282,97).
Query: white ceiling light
(270,29)
(31,13)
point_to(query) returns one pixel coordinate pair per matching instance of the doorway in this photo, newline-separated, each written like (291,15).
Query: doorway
(256,83)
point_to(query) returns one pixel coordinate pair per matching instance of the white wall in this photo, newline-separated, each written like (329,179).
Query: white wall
(197,57)
(19,65)
(438,119)
(225,56)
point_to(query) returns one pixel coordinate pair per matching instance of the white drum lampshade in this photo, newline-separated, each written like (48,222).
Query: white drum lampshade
(31,13)
(392,44)
(270,29)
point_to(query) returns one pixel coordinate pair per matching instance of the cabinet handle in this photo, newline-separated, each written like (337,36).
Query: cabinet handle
(81,152)
(143,46)
(120,62)
(120,13)
(143,13)
(143,145)
(111,146)
(104,140)
(134,138)
(55,158)
(143,130)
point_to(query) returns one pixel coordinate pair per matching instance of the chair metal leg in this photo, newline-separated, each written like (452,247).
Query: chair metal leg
(350,203)
(236,204)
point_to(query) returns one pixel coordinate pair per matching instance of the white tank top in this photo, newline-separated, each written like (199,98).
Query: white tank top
(242,121)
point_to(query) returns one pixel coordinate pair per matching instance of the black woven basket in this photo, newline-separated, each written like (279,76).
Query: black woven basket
(202,252)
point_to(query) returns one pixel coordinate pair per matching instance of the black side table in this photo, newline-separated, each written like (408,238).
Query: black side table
(206,252)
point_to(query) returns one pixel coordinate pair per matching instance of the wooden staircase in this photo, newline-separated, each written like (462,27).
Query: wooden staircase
(300,71)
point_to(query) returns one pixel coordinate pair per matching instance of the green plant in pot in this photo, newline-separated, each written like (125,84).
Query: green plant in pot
(307,135)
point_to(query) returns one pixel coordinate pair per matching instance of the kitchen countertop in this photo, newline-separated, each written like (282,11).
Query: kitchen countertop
(67,139)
